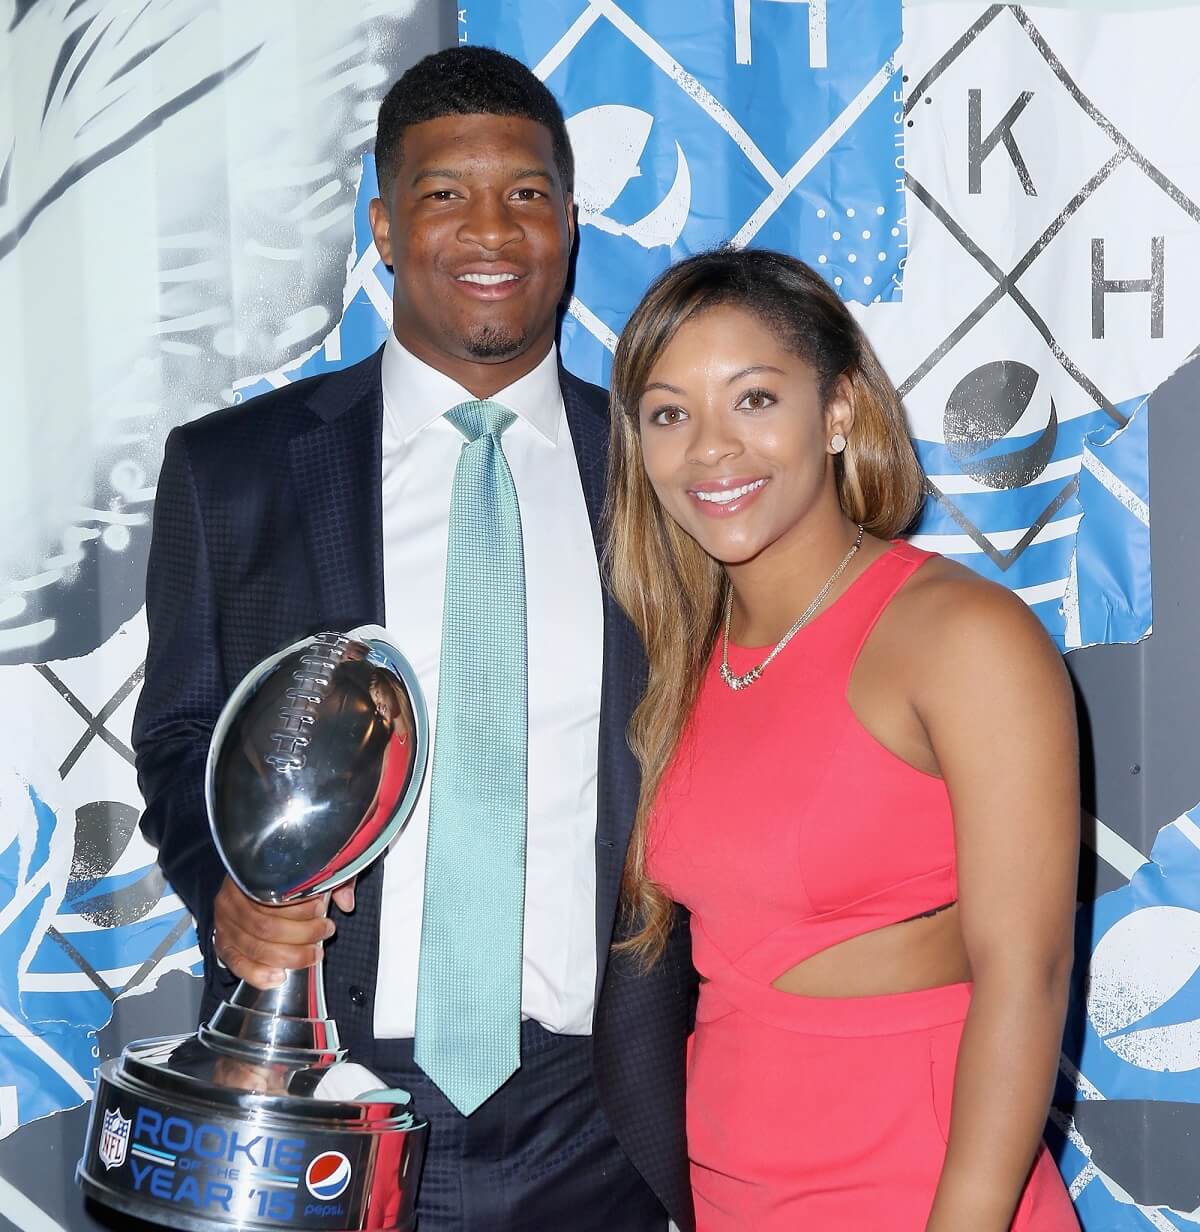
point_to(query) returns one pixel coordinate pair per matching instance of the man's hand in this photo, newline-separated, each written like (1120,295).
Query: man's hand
(259,944)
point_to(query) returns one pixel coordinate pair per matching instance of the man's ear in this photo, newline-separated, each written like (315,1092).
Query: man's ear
(381,229)
(572,220)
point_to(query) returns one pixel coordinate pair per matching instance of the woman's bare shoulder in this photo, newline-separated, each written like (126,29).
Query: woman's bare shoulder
(951,612)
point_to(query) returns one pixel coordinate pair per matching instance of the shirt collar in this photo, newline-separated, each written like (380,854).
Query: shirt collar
(415,394)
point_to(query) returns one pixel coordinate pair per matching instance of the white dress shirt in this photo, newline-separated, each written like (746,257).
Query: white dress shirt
(564,611)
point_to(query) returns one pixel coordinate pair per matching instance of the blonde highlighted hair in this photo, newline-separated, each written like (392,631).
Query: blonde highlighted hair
(670,588)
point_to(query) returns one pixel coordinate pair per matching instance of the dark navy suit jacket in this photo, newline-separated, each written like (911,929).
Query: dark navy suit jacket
(267,527)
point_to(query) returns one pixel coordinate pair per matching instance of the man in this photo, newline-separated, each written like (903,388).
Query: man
(450,488)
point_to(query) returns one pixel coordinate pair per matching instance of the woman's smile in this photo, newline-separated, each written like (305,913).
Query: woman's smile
(726,498)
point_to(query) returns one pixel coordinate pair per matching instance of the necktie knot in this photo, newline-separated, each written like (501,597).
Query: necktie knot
(480,418)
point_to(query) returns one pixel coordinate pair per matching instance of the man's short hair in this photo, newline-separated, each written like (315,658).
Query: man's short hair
(466,80)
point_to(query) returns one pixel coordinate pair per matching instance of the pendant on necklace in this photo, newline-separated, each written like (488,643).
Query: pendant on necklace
(739,682)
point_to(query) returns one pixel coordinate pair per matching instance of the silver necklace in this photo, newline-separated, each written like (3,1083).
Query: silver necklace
(748,678)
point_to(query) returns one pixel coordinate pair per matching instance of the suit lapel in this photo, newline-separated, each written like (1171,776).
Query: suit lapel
(337,480)
(617,781)
(589,435)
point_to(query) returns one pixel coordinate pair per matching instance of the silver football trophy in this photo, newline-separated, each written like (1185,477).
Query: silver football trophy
(259,1121)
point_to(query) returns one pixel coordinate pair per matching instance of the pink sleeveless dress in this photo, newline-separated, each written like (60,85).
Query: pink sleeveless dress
(785,828)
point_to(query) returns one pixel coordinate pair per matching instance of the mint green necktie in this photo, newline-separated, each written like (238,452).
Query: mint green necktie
(468,1022)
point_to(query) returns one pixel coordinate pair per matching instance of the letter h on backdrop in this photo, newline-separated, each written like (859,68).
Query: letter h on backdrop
(978,149)
(818,53)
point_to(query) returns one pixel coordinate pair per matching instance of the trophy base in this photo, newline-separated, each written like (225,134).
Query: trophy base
(195,1137)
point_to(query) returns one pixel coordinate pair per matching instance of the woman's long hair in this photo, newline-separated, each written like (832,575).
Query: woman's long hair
(672,590)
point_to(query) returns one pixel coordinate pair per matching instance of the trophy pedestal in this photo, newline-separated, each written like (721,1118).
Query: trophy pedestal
(251,1124)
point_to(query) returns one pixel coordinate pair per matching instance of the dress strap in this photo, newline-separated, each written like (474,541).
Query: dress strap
(886,579)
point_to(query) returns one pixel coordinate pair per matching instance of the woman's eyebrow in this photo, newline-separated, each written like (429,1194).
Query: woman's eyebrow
(737,376)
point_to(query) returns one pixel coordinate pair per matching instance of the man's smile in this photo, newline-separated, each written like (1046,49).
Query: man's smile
(489,282)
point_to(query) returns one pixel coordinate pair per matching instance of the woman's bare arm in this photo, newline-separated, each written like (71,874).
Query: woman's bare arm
(999,711)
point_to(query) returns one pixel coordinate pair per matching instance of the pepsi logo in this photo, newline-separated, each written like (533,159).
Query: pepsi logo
(328,1175)
(1140,1001)
(991,405)
(610,141)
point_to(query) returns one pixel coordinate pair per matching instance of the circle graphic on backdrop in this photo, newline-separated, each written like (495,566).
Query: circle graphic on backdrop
(1138,988)
(327,1176)
(609,141)
(981,413)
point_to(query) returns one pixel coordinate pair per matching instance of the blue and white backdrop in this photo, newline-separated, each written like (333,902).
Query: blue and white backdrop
(1006,196)
(1009,198)
(177,188)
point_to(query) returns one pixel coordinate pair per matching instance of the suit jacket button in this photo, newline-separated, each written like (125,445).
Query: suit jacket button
(358,996)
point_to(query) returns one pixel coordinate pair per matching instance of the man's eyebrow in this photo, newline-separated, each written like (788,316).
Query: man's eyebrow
(453,173)
(437,173)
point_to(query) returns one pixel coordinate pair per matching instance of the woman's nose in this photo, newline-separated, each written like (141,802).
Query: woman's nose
(712,441)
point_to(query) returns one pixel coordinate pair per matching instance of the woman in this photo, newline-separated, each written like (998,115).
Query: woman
(389,709)
(395,715)
(859,775)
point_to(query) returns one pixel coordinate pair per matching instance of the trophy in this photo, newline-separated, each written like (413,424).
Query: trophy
(259,1120)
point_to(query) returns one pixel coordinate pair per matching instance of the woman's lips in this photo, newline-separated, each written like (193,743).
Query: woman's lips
(725,498)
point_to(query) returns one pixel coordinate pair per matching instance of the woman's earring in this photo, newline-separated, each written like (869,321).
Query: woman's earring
(838,443)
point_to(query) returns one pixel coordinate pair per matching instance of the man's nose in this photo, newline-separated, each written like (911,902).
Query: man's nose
(490,223)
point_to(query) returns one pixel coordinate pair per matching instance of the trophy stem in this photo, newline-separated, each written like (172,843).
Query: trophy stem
(289,1023)
(301,995)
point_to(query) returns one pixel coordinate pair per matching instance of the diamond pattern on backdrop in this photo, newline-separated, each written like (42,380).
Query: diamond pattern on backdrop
(86,915)
(1038,312)
(773,122)
(681,144)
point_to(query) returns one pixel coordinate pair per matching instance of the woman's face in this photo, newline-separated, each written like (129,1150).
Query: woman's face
(734,438)
(384,699)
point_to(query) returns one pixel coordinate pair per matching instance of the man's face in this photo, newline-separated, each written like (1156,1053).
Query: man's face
(479,233)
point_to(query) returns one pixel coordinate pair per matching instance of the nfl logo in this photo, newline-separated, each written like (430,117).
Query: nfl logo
(114,1139)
